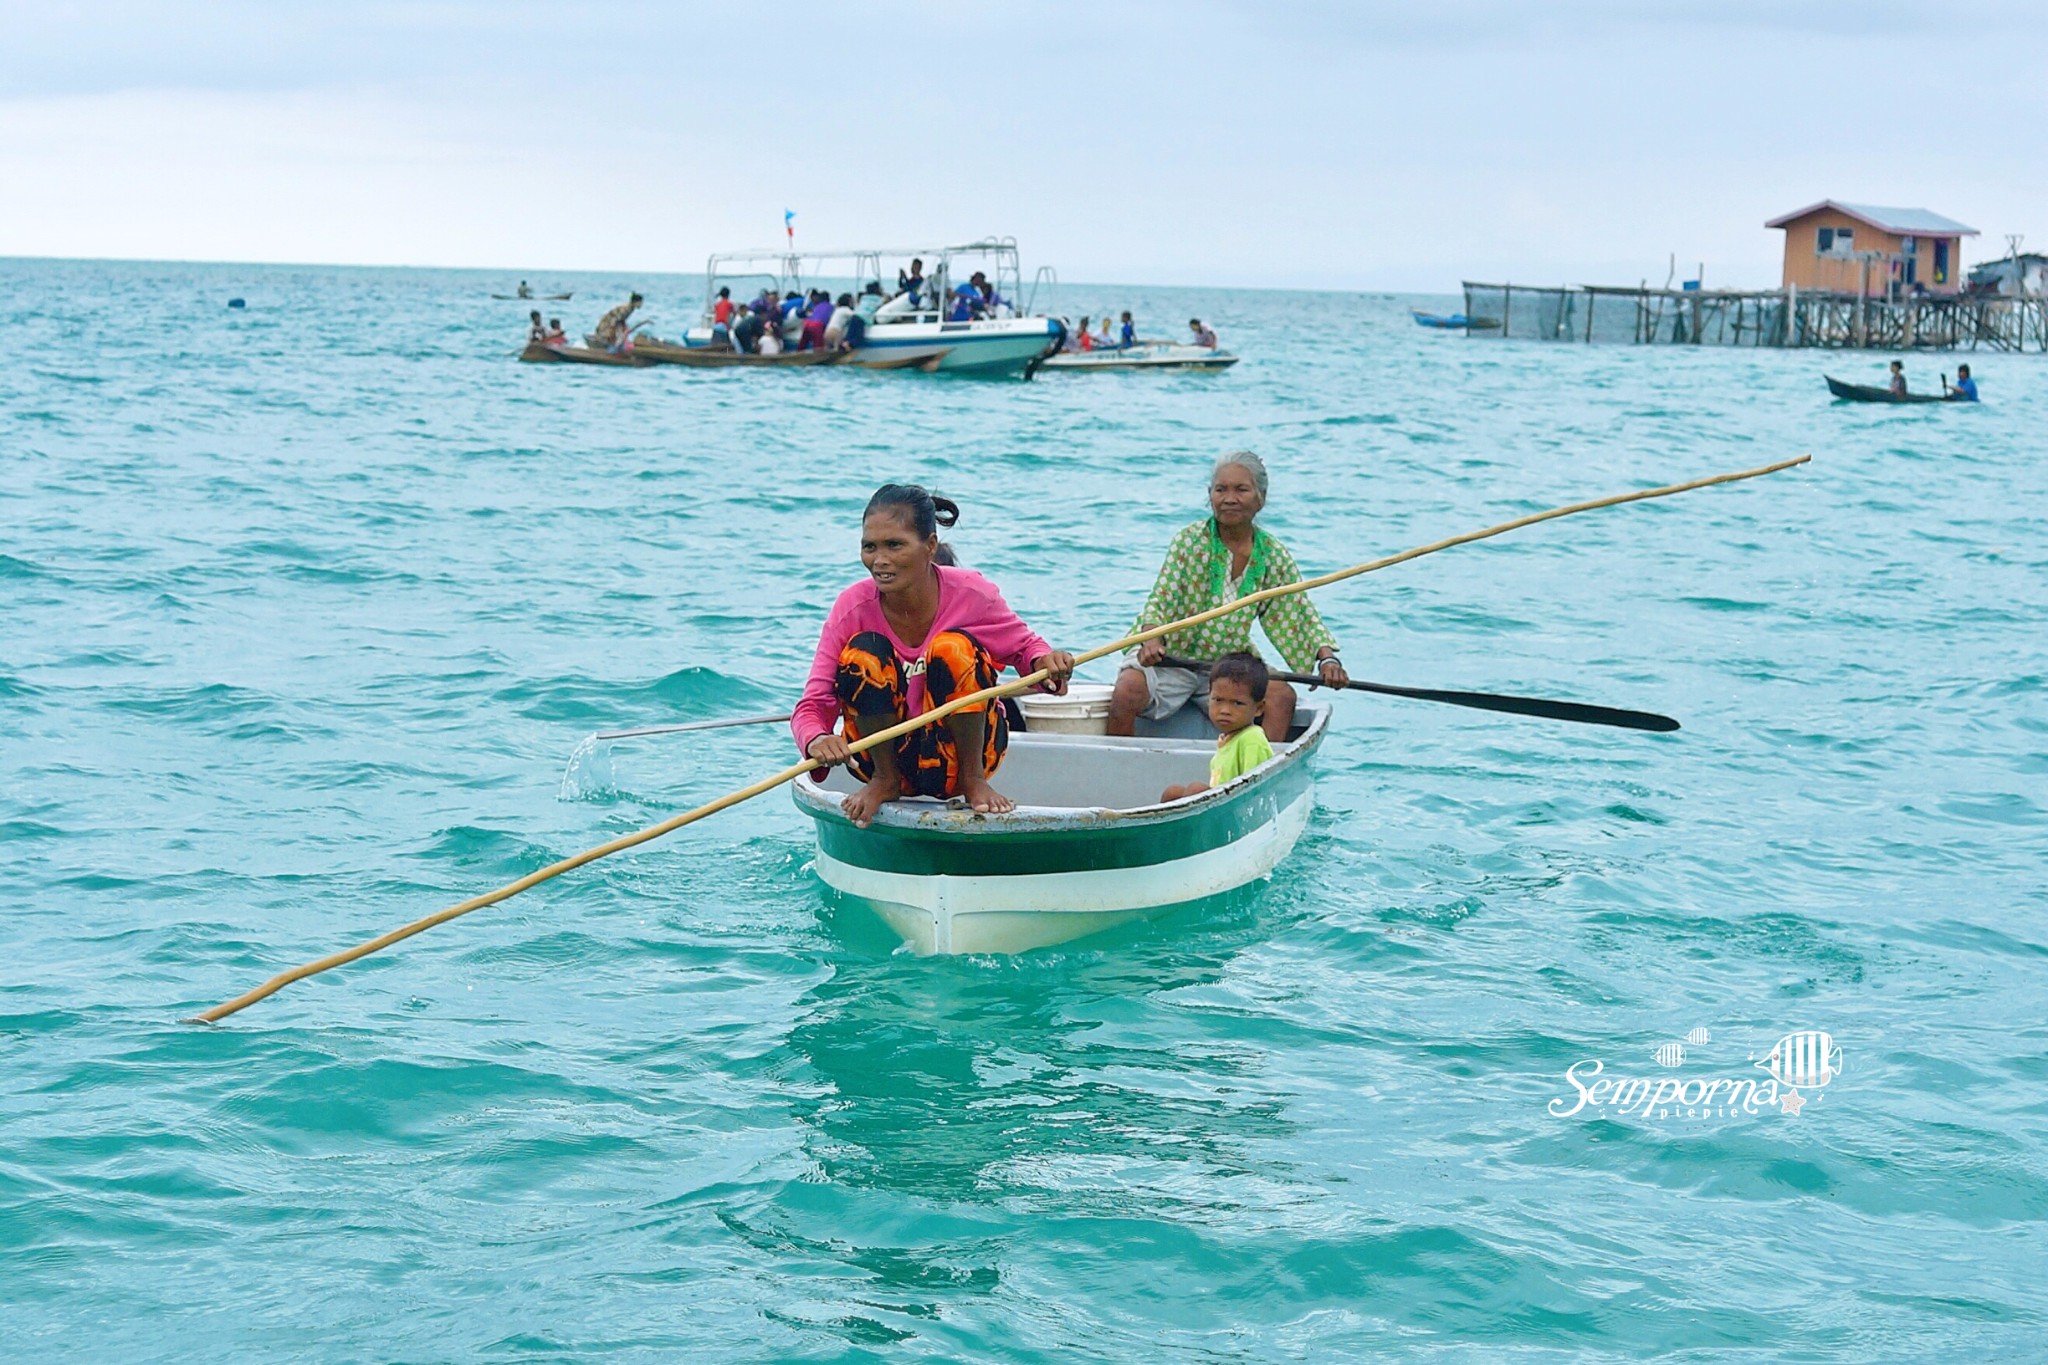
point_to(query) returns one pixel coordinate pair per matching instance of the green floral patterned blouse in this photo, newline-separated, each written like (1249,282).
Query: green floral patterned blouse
(1196,577)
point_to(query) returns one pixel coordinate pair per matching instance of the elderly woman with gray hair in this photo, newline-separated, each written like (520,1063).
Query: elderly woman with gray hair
(1211,563)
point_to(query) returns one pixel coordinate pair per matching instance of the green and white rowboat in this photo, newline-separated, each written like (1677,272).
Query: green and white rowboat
(1089,846)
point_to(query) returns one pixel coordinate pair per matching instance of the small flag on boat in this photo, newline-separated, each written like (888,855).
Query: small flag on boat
(789,224)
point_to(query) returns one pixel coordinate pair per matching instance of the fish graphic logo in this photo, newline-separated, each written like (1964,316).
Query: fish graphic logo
(1808,1058)
(1699,1037)
(1671,1054)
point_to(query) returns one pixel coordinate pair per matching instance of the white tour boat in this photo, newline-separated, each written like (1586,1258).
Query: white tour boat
(912,330)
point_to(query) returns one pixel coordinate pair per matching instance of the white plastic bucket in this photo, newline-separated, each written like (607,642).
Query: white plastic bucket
(1083,711)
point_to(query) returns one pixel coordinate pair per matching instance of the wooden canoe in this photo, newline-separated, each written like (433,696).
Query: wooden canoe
(577,355)
(704,357)
(1871,393)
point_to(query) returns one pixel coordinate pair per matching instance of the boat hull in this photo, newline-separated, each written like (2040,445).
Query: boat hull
(1158,356)
(578,355)
(706,358)
(993,347)
(1869,393)
(949,881)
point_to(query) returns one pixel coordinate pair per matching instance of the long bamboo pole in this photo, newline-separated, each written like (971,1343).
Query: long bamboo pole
(747,793)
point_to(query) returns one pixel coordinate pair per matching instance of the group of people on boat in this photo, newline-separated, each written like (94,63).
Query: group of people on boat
(809,321)
(547,333)
(1964,390)
(1081,339)
(921,631)
(967,302)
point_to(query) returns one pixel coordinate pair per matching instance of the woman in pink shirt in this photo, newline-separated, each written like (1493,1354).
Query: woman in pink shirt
(909,638)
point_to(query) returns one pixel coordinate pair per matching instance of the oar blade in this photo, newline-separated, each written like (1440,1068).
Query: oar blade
(1580,712)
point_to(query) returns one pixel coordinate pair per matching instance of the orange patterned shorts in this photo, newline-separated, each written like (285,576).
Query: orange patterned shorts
(874,695)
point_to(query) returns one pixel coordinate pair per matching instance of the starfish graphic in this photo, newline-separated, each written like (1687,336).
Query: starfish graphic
(1792,1102)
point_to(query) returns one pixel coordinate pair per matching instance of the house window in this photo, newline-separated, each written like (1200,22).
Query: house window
(1836,241)
(1941,260)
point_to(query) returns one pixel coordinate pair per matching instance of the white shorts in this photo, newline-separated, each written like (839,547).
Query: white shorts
(1171,689)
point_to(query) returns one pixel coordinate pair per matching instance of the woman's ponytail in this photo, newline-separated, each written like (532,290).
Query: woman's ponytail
(925,513)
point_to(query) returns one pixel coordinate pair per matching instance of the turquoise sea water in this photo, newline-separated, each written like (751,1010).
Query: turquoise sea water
(306,606)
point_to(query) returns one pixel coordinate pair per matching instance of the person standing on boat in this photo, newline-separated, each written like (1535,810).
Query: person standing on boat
(721,311)
(1203,335)
(817,320)
(907,639)
(911,282)
(612,333)
(1208,565)
(842,318)
(1128,336)
(1898,380)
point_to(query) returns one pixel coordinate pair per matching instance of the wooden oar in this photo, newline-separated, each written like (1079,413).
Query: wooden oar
(1025,683)
(1581,712)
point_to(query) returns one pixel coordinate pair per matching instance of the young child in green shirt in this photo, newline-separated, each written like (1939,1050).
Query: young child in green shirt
(1237,697)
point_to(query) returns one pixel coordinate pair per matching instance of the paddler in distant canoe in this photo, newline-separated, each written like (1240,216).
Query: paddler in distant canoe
(612,333)
(905,640)
(1211,563)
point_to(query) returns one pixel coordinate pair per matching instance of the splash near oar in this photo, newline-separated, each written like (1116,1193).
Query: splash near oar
(733,798)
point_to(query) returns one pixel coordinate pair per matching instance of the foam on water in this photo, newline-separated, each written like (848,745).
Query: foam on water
(305,605)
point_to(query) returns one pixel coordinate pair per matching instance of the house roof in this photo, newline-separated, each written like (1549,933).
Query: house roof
(1905,222)
(2025,258)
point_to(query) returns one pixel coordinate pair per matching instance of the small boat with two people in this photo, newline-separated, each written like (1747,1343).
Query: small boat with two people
(954,309)
(1964,390)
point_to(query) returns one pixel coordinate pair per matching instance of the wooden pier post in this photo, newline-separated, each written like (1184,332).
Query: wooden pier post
(1863,305)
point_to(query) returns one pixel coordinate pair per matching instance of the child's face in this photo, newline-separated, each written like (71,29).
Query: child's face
(1231,707)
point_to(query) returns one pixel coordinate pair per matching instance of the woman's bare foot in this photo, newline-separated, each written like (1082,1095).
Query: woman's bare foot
(862,805)
(984,799)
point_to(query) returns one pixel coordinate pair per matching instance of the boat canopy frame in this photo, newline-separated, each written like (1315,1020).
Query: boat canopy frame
(800,270)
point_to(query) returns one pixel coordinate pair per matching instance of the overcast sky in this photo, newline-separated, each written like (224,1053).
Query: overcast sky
(1318,143)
